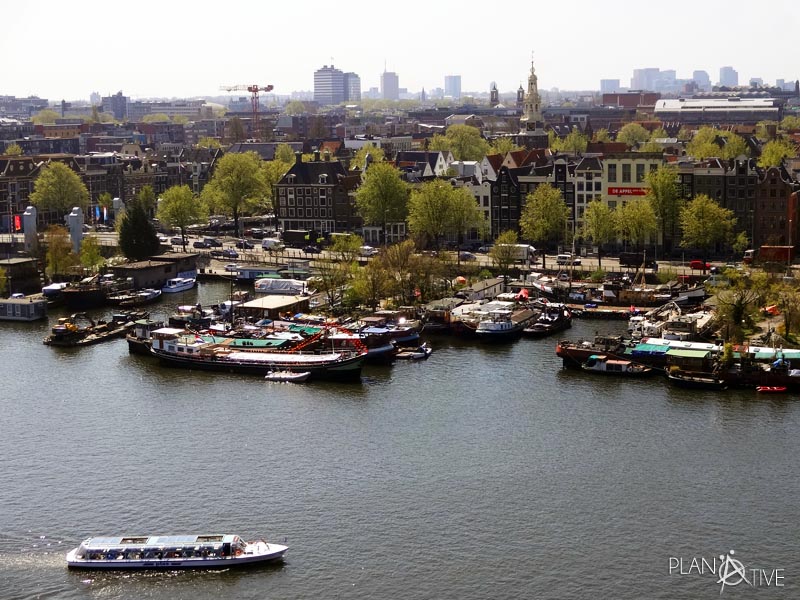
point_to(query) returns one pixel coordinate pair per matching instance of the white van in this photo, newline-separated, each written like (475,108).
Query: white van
(271,244)
(567,259)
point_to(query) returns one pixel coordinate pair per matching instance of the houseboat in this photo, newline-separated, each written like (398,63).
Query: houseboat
(172,552)
(178,284)
(23,309)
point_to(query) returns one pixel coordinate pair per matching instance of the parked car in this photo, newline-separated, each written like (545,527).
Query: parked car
(232,268)
(567,259)
(230,253)
(485,249)
(212,243)
(244,245)
(699,265)
(468,256)
(217,254)
(176,241)
(311,250)
(367,251)
(199,244)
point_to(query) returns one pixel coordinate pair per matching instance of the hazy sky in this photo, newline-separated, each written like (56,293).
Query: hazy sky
(147,49)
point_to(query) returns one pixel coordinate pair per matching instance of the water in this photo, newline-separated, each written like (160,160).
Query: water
(484,472)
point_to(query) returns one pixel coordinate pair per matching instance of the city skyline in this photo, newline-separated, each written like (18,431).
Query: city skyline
(72,57)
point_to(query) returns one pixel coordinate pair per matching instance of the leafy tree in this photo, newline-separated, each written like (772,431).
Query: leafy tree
(45,117)
(544,217)
(428,210)
(236,130)
(90,256)
(3,282)
(503,253)
(766,130)
(180,119)
(294,107)
(685,133)
(790,122)
(425,275)
(636,221)
(179,208)
(382,197)
(787,297)
(209,142)
(347,248)
(708,142)
(439,143)
(155,118)
(146,197)
(466,142)
(137,236)
(734,146)
(464,214)
(58,188)
(503,145)
(60,256)
(360,157)
(371,284)
(741,243)
(13,150)
(705,223)
(664,196)
(601,135)
(650,146)
(284,153)
(274,170)
(737,303)
(773,153)
(238,187)
(574,142)
(658,133)
(599,226)
(397,259)
(632,134)
(331,278)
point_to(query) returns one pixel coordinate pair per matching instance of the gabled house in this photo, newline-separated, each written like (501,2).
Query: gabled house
(439,161)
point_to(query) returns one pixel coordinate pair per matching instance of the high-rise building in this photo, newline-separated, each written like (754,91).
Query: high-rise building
(117,105)
(452,86)
(390,86)
(352,87)
(728,76)
(702,80)
(756,82)
(329,86)
(644,79)
(609,86)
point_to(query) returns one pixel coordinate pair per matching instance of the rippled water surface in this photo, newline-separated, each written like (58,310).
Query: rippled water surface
(485,472)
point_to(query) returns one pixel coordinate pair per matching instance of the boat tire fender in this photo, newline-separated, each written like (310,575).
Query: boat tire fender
(629,368)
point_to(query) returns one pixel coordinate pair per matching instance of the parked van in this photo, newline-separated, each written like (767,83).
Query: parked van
(271,244)
(567,259)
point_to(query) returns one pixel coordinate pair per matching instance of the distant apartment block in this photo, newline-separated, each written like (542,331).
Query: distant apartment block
(352,87)
(728,77)
(329,86)
(116,105)
(702,80)
(609,86)
(452,86)
(390,86)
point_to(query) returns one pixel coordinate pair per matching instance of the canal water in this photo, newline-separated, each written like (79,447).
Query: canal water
(484,472)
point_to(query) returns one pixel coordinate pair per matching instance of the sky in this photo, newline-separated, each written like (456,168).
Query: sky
(165,49)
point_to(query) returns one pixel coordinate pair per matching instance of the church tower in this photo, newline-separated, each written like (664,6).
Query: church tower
(532,133)
(494,96)
(520,98)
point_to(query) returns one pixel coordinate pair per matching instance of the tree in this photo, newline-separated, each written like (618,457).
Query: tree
(737,303)
(636,221)
(773,153)
(544,217)
(708,142)
(766,130)
(45,117)
(740,243)
(13,150)
(284,153)
(90,256)
(238,187)
(464,214)
(503,145)
(146,197)
(360,157)
(601,135)
(440,143)
(180,119)
(294,107)
(466,142)
(331,278)
(155,118)
(236,130)
(137,236)
(179,208)
(705,223)
(650,146)
(398,259)
(658,133)
(664,196)
(60,256)
(504,253)
(347,248)
(598,225)
(58,188)
(371,284)
(685,133)
(3,282)
(274,170)
(790,123)
(208,142)
(382,197)
(318,129)
(787,297)
(734,146)
(428,210)
(633,134)
(574,142)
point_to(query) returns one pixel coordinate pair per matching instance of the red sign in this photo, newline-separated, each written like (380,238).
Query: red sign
(17,223)
(617,191)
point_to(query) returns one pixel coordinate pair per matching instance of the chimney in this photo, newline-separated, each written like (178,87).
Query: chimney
(316,155)
(298,158)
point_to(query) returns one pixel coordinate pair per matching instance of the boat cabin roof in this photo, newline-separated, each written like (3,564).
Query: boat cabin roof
(159,540)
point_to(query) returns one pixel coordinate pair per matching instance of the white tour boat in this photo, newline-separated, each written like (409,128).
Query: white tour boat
(178,284)
(171,552)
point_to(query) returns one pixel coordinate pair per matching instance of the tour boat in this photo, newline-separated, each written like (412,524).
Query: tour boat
(178,284)
(288,376)
(171,552)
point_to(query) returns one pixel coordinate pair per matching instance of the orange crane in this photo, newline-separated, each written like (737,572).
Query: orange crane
(254,90)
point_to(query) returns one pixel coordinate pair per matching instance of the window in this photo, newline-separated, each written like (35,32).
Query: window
(308,191)
(291,212)
(598,186)
(612,173)
(639,173)
(580,186)
(626,173)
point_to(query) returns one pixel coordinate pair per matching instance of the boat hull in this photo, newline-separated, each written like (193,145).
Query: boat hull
(275,552)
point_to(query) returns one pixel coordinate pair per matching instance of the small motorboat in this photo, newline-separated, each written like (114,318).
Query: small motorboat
(771,389)
(288,376)
(419,353)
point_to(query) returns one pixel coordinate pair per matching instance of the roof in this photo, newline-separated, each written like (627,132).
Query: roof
(683,353)
(274,301)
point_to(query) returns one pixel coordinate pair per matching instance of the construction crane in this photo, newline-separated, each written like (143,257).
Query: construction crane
(254,90)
